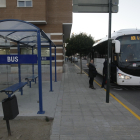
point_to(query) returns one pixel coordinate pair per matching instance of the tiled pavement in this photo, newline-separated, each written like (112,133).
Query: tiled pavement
(82,114)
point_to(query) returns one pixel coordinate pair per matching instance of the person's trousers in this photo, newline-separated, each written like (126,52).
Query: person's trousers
(104,80)
(91,81)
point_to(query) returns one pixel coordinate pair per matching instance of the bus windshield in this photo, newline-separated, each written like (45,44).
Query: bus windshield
(130,48)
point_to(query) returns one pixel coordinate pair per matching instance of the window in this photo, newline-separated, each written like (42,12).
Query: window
(2,3)
(24,3)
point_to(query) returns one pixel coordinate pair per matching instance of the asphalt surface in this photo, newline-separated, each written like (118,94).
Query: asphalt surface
(129,93)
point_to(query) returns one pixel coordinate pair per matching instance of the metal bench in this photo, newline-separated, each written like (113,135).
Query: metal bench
(31,79)
(10,90)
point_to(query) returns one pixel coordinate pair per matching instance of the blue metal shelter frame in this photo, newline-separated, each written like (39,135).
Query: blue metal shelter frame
(28,34)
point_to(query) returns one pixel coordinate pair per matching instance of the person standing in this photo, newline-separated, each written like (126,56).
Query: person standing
(92,74)
(104,74)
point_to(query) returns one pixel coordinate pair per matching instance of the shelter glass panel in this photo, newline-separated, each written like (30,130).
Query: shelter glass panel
(4,51)
(45,52)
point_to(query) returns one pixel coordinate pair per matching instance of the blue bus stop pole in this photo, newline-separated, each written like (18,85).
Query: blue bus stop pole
(50,69)
(32,64)
(19,72)
(39,74)
(55,66)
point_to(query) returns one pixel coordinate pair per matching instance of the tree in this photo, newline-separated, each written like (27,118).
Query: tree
(83,45)
(70,48)
(68,51)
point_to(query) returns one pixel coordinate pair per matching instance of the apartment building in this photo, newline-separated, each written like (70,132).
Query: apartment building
(54,17)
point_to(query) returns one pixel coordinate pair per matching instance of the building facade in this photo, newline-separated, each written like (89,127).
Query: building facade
(54,17)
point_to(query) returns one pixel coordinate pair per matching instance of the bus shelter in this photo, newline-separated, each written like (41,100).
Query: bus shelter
(27,35)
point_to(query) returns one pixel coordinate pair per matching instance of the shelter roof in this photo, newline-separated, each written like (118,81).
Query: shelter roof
(22,32)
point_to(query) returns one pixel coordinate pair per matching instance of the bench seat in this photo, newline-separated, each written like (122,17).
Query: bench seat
(10,90)
(31,79)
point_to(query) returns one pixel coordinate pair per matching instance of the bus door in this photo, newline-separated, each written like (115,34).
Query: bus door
(113,64)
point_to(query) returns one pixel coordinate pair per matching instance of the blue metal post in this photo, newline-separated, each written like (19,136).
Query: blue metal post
(19,72)
(32,64)
(39,74)
(50,69)
(55,66)
(30,84)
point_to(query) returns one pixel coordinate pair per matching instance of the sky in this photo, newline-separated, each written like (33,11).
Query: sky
(96,24)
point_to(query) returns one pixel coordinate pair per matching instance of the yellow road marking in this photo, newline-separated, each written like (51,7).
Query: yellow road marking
(138,117)
(126,107)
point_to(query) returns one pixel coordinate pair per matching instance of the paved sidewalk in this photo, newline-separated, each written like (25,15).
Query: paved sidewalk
(82,114)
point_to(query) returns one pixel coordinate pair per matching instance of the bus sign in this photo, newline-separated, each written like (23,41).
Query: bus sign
(18,59)
(46,58)
(94,6)
(135,37)
(90,2)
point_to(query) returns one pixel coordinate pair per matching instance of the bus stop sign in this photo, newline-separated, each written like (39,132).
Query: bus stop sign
(18,59)
(94,6)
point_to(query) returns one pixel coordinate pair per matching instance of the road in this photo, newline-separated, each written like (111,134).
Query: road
(128,93)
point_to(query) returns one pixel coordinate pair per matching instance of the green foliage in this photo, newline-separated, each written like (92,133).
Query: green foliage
(84,44)
(81,43)
(68,51)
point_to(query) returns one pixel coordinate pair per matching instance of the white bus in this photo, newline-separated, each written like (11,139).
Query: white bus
(125,56)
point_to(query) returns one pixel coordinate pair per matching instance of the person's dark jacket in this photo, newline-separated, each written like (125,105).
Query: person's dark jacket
(105,68)
(92,70)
